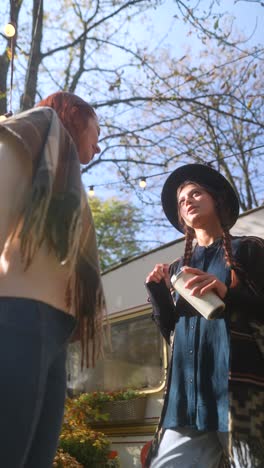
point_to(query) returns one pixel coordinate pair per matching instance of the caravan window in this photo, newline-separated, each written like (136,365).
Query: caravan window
(135,360)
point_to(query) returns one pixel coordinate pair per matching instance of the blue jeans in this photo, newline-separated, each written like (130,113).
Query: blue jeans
(33,342)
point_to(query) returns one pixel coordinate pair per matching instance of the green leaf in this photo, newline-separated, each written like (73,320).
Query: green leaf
(216,24)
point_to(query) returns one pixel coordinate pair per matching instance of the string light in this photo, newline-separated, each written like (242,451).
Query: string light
(91,191)
(142,182)
(10,30)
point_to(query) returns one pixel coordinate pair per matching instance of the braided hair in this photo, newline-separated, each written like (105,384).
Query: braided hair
(226,237)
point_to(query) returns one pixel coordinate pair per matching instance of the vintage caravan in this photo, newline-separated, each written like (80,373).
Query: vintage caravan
(139,356)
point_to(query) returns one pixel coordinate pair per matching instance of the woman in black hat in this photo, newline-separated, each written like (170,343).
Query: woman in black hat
(212,415)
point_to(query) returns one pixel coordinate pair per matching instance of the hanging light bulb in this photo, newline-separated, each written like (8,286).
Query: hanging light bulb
(10,30)
(142,182)
(91,191)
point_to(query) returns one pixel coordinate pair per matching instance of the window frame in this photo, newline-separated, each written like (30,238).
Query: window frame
(139,312)
(121,317)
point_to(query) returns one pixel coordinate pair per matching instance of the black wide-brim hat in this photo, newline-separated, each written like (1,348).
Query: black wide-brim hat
(202,175)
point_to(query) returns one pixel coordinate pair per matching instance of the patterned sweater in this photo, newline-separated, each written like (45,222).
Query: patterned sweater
(57,212)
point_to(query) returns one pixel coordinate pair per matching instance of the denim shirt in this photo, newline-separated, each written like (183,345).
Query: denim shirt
(198,393)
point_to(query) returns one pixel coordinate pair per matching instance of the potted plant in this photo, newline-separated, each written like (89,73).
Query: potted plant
(127,404)
(65,460)
(90,448)
(79,445)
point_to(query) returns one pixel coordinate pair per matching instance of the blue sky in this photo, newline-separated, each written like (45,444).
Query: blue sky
(246,16)
(160,27)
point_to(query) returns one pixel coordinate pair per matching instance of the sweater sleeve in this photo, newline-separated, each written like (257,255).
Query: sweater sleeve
(163,314)
(164,311)
(248,296)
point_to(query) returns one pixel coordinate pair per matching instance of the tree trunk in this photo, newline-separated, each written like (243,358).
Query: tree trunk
(4,58)
(29,95)
(4,66)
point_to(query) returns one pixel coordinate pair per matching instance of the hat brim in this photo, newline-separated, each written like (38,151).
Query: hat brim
(203,175)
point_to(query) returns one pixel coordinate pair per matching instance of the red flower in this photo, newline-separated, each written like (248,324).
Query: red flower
(144,453)
(113,454)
